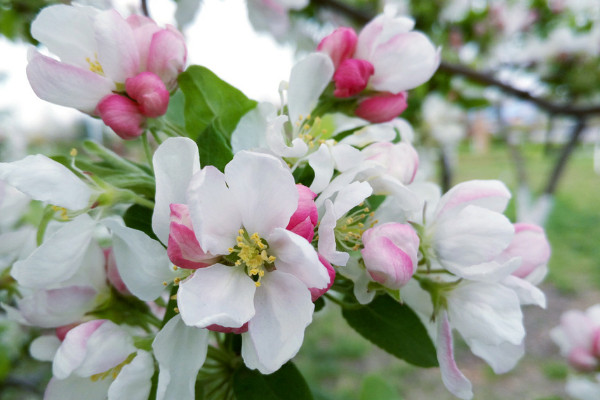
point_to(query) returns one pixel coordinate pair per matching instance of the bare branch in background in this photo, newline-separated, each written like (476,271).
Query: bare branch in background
(145,8)
(564,156)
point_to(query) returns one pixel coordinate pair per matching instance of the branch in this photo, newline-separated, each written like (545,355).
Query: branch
(145,8)
(363,17)
(564,156)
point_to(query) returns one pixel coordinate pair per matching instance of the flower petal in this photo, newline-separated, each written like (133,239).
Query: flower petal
(264,191)
(322,163)
(43,348)
(215,216)
(527,292)
(453,379)
(283,311)
(249,134)
(502,358)
(490,194)
(46,180)
(218,295)
(184,249)
(66,85)
(167,56)
(180,351)
(296,256)
(76,388)
(135,379)
(141,261)
(327,242)
(117,49)
(59,257)
(309,77)
(175,162)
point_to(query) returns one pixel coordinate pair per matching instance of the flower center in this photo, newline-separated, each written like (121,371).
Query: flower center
(250,252)
(95,65)
(349,230)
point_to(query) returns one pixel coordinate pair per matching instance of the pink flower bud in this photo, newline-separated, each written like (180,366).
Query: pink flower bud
(400,160)
(306,216)
(316,293)
(112,273)
(167,55)
(382,108)
(150,92)
(122,115)
(339,45)
(390,253)
(62,331)
(183,247)
(352,77)
(582,359)
(529,243)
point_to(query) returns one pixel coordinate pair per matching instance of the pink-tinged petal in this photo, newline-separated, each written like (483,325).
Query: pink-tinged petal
(283,311)
(149,92)
(66,85)
(62,331)
(108,346)
(122,115)
(474,236)
(399,160)
(264,204)
(390,253)
(57,307)
(222,329)
(502,358)
(316,293)
(134,382)
(308,79)
(382,108)
(68,32)
(112,273)
(142,262)
(184,249)
(46,180)
(217,295)
(453,378)
(72,351)
(167,56)
(327,242)
(180,351)
(529,243)
(215,215)
(307,209)
(339,45)
(117,49)
(76,388)
(59,257)
(378,31)
(582,360)
(306,229)
(490,194)
(143,30)
(296,256)
(578,328)
(175,162)
(403,63)
(351,77)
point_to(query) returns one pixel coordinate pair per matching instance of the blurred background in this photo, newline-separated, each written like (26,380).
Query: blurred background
(516,98)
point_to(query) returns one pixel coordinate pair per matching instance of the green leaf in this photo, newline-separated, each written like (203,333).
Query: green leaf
(376,388)
(207,97)
(140,218)
(285,384)
(395,328)
(214,148)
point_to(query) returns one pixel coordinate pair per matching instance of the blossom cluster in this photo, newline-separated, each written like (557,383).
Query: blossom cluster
(149,279)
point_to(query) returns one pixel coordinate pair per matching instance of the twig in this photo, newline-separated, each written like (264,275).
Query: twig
(145,8)
(564,156)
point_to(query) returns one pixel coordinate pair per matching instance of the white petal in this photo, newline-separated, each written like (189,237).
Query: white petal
(453,378)
(296,256)
(65,84)
(309,77)
(275,135)
(502,358)
(250,132)
(17,244)
(264,191)
(59,257)
(44,348)
(528,293)
(474,236)
(67,31)
(486,272)
(389,186)
(327,243)
(370,134)
(490,313)
(180,351)
(76,388)
(46,180)
(134,380)
(345,156)
(215,216)
(175,162)
(322,163)
(492,195)
(141,261)
(582,388)
(283,311)
(217,295)
(350,197)
(117,50)
(361,280)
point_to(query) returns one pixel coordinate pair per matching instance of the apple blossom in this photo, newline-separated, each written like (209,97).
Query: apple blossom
(578,337)
(104,57)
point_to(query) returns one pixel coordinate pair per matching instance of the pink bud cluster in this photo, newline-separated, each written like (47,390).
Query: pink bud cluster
(578,337)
